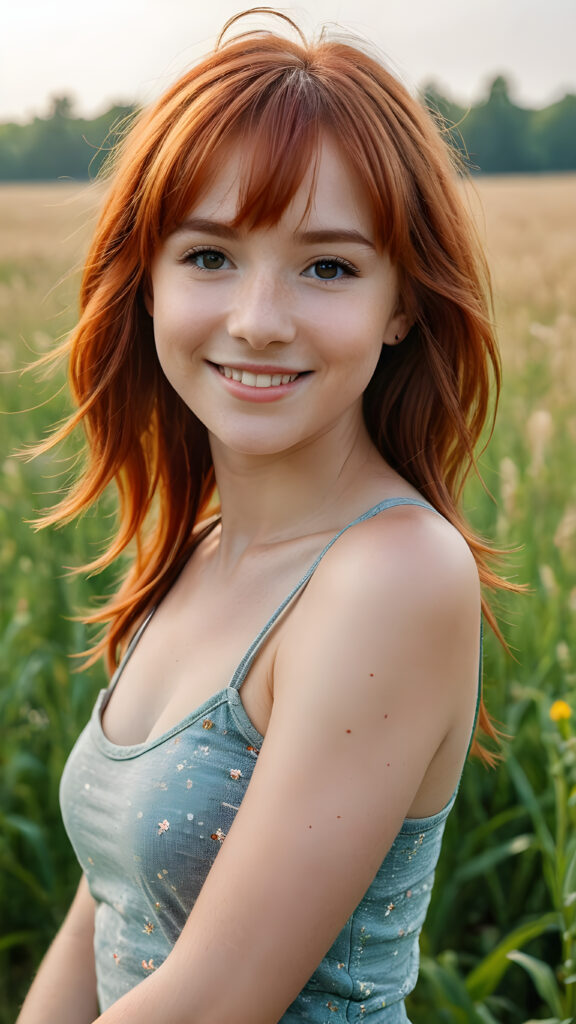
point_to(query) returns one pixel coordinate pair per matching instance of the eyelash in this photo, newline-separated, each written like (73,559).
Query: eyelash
(349,269)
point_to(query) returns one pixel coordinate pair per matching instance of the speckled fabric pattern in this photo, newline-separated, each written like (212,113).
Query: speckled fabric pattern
(147,821)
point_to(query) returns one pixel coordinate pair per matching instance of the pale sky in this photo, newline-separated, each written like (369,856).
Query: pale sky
(102,51)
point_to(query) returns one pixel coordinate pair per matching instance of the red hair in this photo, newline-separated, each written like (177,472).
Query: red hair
(429,397)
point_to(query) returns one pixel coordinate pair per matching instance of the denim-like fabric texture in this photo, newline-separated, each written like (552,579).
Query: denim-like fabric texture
(147,821)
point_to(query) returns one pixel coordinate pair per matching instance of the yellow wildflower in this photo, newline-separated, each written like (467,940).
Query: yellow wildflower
(560,711)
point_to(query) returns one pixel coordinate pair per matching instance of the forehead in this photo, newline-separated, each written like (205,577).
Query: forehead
(330,190)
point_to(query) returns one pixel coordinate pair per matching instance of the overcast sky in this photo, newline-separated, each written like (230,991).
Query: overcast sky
(108,50)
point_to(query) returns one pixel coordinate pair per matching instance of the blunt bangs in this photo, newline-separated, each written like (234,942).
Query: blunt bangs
(282,98)
(283,134)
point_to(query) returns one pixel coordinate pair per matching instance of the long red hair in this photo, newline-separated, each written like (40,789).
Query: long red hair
(429,398)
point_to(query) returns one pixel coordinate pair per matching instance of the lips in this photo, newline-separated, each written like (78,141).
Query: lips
(256,378)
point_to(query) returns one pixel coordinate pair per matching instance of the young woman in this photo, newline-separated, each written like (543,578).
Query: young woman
(284,301)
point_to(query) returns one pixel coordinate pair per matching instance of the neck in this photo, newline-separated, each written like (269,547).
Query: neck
(267,499)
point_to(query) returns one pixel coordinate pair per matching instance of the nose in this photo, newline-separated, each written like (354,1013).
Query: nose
(261,311)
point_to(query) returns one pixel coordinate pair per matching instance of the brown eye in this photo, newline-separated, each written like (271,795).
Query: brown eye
(206,259)
(333,269)
(327,269)
(211,260)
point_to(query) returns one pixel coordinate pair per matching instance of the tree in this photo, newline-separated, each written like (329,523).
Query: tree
(497,132)
(554,135)
(59,145)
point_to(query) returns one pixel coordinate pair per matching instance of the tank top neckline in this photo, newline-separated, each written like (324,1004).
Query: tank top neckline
(230,693)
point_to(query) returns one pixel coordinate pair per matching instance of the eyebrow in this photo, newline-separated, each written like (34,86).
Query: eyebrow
(318,237)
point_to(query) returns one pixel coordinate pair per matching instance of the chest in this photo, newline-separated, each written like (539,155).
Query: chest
(152,817)
(191,648)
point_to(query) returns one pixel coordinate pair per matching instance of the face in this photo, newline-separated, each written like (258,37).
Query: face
(271,335)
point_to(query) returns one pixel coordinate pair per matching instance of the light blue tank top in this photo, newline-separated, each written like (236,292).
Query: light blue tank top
(147,821)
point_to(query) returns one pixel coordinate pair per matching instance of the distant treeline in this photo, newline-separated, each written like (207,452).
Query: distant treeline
(497,137)
(60,145)
(494,136)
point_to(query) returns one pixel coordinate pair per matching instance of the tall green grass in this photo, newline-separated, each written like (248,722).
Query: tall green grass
(500,939)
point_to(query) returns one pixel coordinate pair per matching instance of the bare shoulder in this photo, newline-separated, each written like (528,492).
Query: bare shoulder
(390,623)
(404,556)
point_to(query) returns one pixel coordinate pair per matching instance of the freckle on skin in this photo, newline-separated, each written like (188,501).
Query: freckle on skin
(385,716)
(348,730)
(371,675)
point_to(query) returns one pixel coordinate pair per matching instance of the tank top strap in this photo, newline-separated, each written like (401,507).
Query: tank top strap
(246,662)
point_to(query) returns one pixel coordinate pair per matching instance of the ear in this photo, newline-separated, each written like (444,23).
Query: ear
(397,329)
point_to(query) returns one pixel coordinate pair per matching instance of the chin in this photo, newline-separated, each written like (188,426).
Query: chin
(259,445)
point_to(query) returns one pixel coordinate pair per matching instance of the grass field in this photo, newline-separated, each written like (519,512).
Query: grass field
(500,940)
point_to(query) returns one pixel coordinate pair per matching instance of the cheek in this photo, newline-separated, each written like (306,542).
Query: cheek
(177,328)
(356,336)
(176,306)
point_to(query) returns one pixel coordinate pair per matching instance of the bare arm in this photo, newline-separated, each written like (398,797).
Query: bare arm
(378,667)
(64,990)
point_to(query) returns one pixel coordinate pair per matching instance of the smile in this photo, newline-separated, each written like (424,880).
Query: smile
(256,380)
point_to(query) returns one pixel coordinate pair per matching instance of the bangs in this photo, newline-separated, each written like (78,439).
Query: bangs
(284,143)
(283,130)
(279,98)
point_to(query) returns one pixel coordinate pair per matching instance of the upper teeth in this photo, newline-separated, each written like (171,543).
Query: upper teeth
(257,380)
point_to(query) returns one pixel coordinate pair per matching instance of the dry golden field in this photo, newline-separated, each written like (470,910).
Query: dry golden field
(528,225)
